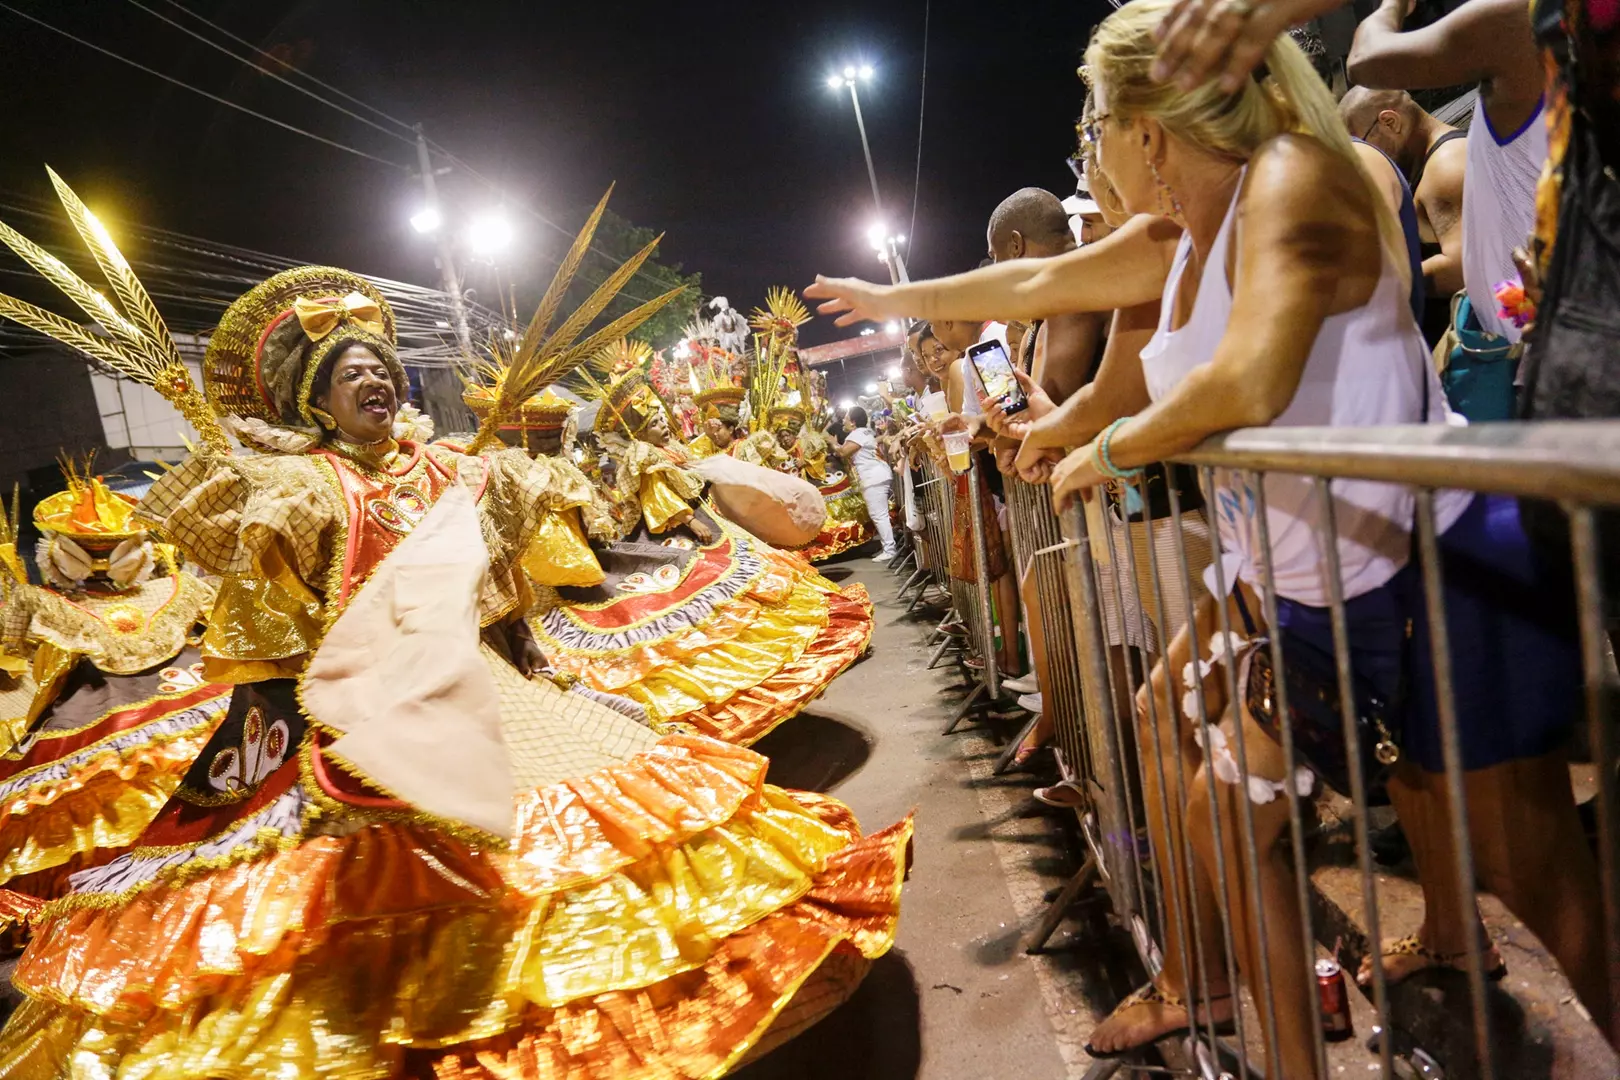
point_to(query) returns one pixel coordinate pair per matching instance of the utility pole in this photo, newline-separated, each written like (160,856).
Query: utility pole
(441,388)
(891,251)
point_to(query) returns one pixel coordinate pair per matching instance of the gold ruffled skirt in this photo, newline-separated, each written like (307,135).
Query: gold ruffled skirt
(733,668)
(848,523)
(664,917)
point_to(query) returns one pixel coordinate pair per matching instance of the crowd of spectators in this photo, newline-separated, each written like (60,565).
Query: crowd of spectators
(1250,247)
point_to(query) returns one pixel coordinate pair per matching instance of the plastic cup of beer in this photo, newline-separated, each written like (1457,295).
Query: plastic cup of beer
(958,450)
(934,406)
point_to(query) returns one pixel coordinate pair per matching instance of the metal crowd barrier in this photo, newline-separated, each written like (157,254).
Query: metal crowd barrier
(968,627)
(1154,887)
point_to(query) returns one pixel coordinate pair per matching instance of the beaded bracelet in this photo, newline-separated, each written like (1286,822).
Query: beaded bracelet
(1105,462)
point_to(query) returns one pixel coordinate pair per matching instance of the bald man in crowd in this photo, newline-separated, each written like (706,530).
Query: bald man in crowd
(1433,155)
(1031,223)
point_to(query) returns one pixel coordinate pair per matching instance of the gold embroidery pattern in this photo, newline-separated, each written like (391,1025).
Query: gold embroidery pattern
(129,633)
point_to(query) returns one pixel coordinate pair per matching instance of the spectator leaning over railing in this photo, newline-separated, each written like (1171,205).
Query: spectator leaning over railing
(1287,303)
(1433,157)
(1128,611)
(962,388)
(1061,354)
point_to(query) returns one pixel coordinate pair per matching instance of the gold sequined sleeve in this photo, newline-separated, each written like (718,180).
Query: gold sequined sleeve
(266,525)
(530,510)
(666,490)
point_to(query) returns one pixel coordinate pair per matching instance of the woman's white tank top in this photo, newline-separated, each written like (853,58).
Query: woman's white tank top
(1365,368)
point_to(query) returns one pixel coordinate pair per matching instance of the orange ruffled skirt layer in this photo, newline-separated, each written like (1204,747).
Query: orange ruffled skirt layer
(740,669)
(665,917)
(74,799)
(835,538)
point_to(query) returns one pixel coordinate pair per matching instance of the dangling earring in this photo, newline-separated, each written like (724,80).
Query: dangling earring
(323,418)
(1164,190)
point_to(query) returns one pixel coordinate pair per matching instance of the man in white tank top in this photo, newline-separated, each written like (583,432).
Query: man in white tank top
(1489,42)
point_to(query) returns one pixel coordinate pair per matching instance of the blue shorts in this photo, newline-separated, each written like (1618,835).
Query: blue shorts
(1515,644)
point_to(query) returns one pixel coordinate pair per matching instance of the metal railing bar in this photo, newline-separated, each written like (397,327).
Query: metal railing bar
(1129,672)
(1328,533)
(1451,754)
(1202,717)
(1574,461)
(1251,852)
(983,584)
(1185,919)
(1589,597)
(1285,726)
(1090,638)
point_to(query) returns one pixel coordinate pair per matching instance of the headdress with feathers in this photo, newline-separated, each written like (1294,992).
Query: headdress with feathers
(779,320)
(540,358)
(133,341)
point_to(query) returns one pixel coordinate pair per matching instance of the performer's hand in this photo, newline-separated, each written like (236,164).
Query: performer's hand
(527,656)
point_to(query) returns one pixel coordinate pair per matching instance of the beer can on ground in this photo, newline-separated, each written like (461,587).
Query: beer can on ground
(1335,1000)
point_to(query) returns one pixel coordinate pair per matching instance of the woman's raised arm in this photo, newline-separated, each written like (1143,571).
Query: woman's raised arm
(1126,269)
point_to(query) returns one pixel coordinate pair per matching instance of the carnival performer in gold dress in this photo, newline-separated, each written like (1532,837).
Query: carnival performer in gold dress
(398,856)
(782,419)
(103,705)
(698,620)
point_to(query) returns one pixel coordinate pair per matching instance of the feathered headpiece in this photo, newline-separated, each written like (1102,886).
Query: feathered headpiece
(615,381)
(133,341)
(87,510)
(539,358)
(779,320)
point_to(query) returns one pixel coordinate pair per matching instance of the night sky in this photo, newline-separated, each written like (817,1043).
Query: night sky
(715,121)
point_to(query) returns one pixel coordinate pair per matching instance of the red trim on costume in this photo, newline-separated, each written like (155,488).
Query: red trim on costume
(332,783)
(712,564)
(47,750)
(180,822)
(258,361)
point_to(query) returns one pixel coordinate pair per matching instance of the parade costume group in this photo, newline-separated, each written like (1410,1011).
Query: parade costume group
(377,757)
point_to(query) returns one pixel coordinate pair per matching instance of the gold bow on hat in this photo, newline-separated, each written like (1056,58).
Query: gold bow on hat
(320,317)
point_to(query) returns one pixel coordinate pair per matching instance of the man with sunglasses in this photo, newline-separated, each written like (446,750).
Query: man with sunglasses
(1433,156)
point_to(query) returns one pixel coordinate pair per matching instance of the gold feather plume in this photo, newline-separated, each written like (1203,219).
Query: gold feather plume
(539,358)
(771,356)
(782,314)
(137,344)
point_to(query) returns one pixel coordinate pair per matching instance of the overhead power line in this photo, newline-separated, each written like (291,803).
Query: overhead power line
(442,150)
(450,156)
(281,63)
(273,74)
(198,90)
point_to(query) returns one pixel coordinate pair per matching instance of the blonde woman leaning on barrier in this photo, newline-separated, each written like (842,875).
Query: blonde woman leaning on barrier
(1287,304)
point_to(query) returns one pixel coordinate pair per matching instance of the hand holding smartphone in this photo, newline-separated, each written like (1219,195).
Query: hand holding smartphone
(990,360)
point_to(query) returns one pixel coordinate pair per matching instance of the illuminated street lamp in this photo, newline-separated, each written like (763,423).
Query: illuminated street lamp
(489,234)
(426,220)
(852,75)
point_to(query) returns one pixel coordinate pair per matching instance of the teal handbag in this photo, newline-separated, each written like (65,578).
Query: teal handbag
(1477,368)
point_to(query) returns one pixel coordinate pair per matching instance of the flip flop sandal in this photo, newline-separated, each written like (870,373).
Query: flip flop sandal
(1065,795)
(1017,755)
(1152,995)
(1457,961)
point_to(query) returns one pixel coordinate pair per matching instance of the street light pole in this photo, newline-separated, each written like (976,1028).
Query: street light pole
(441,389)
(890,251)
(446,257)
(860,122)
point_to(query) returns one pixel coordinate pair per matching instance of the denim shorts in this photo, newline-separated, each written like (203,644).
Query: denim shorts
(1514,642)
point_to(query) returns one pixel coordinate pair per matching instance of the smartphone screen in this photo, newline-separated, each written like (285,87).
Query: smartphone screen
(995,370)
